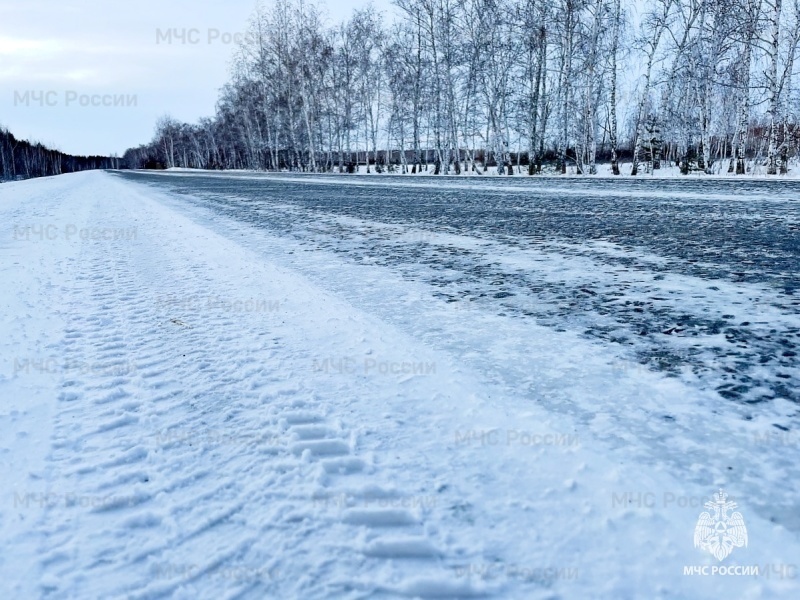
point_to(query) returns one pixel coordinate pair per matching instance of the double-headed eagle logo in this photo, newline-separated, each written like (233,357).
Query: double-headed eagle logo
(719,533)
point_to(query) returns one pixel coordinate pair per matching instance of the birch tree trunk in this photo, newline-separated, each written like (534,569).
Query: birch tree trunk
(612,106)
(774,17)
(740,143)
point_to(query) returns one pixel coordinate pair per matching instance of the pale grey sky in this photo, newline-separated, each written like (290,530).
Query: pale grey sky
(74,51)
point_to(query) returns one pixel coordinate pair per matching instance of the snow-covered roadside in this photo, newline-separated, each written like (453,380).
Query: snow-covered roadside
(754,171)
(230,413)
(35,277)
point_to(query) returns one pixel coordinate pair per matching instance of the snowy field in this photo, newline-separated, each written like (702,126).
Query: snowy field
(260,386)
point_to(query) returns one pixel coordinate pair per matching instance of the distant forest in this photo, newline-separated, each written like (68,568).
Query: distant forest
(20,159)
(707,85)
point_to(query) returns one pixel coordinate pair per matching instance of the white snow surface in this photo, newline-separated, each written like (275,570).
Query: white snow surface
(192,408)
(755,170)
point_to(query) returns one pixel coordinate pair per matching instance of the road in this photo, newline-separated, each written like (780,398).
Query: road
(255,387)
(689,274)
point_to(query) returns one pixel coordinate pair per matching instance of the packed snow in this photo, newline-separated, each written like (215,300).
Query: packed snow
(219,386)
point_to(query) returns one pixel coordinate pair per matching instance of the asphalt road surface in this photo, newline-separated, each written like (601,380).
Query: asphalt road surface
(697,278)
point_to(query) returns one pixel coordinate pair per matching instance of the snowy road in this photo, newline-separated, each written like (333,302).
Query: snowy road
(623,260)
(258,387)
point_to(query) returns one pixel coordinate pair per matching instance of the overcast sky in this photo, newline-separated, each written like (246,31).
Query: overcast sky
(66,49)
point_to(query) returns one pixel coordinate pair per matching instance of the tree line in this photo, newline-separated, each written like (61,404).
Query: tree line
(20,159)
(512,85)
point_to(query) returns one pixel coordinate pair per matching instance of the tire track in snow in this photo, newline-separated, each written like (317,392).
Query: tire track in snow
(185,428)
